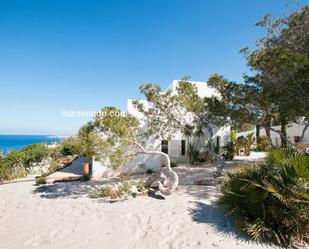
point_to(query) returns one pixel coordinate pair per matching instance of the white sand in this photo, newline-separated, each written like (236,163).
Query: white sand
(61,215)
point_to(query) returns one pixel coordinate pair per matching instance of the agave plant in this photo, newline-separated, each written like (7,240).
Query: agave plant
(271,198)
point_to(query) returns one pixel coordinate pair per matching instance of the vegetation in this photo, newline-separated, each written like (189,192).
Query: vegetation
(53,167)
(34,153)
(263,144)
(140,185)
(230,150)
(39,180)
(270,198)
(70,146)
(193,154)
(114,192)
(173,164)
(18,163)
(276,93)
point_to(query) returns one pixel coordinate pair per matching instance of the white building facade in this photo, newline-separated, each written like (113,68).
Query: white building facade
(176,147)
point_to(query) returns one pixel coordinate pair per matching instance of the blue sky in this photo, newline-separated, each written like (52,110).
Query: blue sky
(84,55)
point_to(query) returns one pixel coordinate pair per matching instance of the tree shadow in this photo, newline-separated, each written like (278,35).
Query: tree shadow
(70,190)
(213,214)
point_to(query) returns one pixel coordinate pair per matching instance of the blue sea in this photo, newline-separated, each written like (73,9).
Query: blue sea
(17,142)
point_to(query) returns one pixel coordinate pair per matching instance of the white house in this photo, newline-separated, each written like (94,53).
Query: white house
(294,132)
(177,146)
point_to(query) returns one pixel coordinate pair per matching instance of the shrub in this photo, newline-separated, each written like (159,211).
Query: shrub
(263,144)
(193,154)
(54,166)
(6,170)
(71,146)
(270,198)
(149,171)
(34,153)
(229,151)
(86,177)
(17,162)
(113,192)
(11,166)
(173,164)
(140,185)
(55,153)
(249,140)
(39,180)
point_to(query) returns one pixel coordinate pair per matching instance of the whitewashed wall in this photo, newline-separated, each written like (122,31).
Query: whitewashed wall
(293,129)
(144,162)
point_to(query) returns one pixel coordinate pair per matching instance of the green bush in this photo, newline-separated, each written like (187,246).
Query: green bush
(270,198)
(111,192)
(39,180)
(230,149)
(55,153)
(34,153)
(173,164)
(140,185)
(263,144)
(6,170)
(71,146)
(12,165)
(193,154)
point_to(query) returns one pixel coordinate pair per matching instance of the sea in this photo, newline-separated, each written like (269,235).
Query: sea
(17,142)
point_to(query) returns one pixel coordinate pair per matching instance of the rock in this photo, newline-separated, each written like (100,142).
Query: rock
(156,185)
(134,191)
(154,179)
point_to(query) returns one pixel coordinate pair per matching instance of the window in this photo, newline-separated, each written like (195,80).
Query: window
(183,147)
(218,141)
(164,146)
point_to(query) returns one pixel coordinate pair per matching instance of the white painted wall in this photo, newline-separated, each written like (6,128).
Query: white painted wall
(293,129)
(144,162)
(174,147)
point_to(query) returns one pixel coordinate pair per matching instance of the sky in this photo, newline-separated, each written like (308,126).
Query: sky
(72,55)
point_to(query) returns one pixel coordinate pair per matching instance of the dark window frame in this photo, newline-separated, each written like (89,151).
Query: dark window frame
(218,141)
(183,147)
(164,146)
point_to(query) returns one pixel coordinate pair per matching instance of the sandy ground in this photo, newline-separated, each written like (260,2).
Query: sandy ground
(61,215)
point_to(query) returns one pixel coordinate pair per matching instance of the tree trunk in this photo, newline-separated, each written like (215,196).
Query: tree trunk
(257,133)
(283,134)
(267,131)
(174,179)
(221,162)
(268,128)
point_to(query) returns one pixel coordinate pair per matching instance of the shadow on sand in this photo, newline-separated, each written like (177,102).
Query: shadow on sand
(71,190)
(213,214)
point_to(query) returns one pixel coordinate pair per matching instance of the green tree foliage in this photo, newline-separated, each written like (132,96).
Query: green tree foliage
(270,198)
(34,153)
(71,146)
(263,144)
(282,65)
(119,133)
(18,163)
(277,92)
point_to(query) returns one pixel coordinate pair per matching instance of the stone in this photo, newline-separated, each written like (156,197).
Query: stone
(157,177)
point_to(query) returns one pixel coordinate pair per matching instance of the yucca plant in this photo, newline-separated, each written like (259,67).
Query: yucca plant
(271,198)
